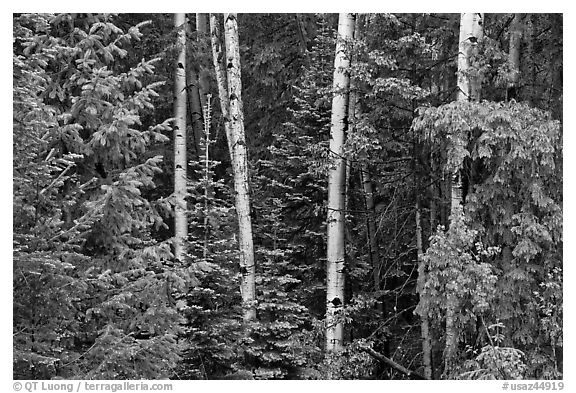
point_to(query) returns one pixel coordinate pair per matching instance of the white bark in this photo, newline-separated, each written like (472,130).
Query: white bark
(469,87)
(180,210)
(221,78)
(336,189)
(469,83)
(471,32)
(240,167)
(194,102)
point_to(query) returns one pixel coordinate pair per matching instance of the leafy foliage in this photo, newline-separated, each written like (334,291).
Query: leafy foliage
(97,294)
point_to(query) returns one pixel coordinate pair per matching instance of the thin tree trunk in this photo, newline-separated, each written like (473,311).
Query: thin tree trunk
(202,31)
(451,336)
(424,323)
(194,103)
(302,34)
(221,79)
(240,168)
(336,178)
(514,56)
(180,219)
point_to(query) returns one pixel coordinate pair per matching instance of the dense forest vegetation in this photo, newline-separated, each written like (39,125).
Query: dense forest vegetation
(287,196)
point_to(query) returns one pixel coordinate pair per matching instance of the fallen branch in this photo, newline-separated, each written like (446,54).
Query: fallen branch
(392,363)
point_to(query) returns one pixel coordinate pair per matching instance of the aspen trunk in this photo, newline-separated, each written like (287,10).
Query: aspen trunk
(221,78)
(195,104)
(514,56)
(202,30)
(180,220)
(471,32)
(469,88)
(240,167)
(196,98)
(424,323)
(336,179)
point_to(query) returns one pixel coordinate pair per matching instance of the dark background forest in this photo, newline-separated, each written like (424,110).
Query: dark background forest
(99,294)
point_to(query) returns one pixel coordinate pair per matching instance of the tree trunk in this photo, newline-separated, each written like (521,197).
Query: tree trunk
(424,323)
(514,56)
(471,32)
(469,88)
(221,79)
(194,103)
(336,178)
(202,26)
(240,168)
(451,337)
(180,220)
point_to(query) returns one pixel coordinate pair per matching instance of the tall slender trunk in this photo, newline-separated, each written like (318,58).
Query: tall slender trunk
(180,210)
(514,56)
(221,78)
(469,88)
(202,30)
(424,323)
(240,167)
(336,178)
(194,101)
(302,34)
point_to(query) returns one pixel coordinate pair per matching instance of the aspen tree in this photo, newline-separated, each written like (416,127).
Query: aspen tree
(424,322)
(194,100)
(180,210)
(230,93)
(469,86)
(336,187)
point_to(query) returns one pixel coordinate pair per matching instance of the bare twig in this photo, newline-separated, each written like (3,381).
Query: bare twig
(391,363)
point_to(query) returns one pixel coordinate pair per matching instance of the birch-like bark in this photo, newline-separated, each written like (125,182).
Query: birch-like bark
(180,219)
(469,88)
(202,30)
(469,83)
(240,168)
(471,32)
(514,56)
(194,102)
(336,197)
(218,55)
